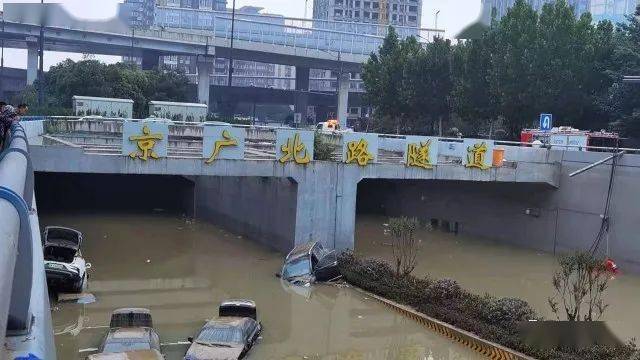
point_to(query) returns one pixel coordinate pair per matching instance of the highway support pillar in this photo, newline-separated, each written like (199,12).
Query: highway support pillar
(32,62)
(301,102)
(150,60)
(204,65)
(343,98)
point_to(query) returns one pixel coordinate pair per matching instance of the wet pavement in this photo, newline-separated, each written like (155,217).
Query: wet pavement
(483,266)
(182,270)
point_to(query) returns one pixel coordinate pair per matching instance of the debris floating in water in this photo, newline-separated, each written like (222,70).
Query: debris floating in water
(83,298)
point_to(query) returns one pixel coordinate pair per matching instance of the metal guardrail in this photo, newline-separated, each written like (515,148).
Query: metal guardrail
(321,35)
(185,141)
(201,18)
(16,257)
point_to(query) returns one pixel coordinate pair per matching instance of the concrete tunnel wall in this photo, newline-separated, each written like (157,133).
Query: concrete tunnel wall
(261,208)
(560,220)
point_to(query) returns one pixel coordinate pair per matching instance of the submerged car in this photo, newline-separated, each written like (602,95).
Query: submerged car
(308,263)
(64,265)
(230,336)
(131,336)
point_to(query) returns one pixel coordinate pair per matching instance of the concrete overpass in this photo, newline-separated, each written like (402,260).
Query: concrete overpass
(312,206)
(254,40)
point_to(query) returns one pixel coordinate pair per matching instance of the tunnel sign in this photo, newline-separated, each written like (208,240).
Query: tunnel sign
(222,142)
(359,148)
(421,152)
(294,146)
(477,154)
(145,140)
(546,122)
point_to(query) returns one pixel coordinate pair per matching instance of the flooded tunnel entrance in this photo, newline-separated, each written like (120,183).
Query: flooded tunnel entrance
(181,270)
(504,246)
(513,213)
(56,192)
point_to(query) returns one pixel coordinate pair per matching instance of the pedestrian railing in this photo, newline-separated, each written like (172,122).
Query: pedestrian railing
(107,136)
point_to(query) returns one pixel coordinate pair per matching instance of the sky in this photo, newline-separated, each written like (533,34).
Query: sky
(454,16)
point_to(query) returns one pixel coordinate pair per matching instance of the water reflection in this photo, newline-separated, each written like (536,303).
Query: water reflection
(181,271)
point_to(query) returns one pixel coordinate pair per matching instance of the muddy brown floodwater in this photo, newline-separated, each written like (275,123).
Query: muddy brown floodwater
(182,270)
(483,266)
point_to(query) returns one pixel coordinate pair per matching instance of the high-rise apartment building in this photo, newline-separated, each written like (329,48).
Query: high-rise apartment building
(385,12)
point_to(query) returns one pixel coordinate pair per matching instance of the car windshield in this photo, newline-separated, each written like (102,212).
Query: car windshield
(297,267)
(122,346)
(220,334)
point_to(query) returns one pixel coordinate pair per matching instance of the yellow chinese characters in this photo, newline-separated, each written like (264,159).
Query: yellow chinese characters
(227,140)
(358,151)
(145,142)
(295,150)
(418,155)
(476,155)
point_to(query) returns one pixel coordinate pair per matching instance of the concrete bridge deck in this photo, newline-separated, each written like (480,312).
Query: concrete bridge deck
(322,193)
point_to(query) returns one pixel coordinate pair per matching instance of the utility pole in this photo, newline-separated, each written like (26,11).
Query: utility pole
(436,22)
(233,20)
(41,58)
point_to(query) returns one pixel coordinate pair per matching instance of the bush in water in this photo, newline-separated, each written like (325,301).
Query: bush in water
(491,318)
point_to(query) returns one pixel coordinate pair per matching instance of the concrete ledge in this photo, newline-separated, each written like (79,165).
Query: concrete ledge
(74,160)
(470,340)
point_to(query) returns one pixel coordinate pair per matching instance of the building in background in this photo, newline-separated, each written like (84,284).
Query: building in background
(138,13)
(384,12)
(613,10)
(199,14)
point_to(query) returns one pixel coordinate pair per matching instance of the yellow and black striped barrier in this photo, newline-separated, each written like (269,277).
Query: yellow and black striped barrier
(482,346)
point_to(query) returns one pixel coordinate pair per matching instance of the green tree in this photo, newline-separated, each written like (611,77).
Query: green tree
(512,74)
(622,101)
(472,99)
(428,85)
(384,77)
(94,78)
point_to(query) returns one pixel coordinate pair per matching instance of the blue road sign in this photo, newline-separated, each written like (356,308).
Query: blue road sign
(546,122)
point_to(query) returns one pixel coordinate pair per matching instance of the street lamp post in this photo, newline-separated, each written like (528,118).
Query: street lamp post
(436,21)
(233,20)
(41,59)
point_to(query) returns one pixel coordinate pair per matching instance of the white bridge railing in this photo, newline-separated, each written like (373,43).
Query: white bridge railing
(25,318)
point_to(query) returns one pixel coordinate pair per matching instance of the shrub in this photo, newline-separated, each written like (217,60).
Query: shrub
(493,319)
(405,246)
(580,285)
(322,149)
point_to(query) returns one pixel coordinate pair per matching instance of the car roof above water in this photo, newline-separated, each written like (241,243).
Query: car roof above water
(302,250)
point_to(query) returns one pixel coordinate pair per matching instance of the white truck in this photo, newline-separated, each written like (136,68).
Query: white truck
(176,111)
(105,107)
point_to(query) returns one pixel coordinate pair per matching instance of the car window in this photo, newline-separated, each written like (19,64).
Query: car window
(248,329)
(221,334)
(298,267)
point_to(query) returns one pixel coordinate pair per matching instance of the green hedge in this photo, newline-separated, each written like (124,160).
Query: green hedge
(491,318)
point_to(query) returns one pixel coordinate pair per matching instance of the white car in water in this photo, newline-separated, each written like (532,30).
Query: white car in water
(64,265)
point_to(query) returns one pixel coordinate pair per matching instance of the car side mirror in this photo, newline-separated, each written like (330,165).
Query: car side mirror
(190,339)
